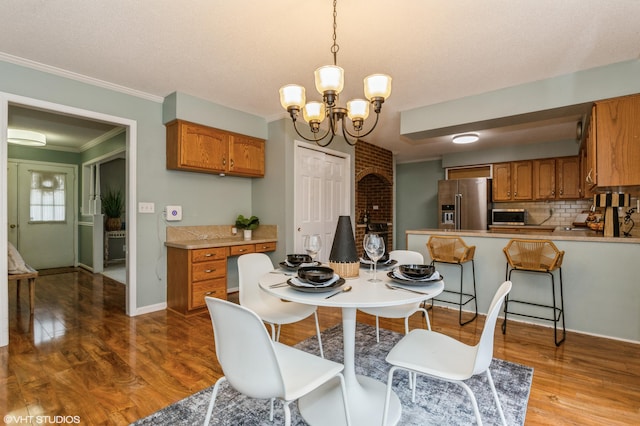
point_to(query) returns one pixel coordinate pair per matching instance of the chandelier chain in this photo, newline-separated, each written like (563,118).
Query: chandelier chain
(335,47)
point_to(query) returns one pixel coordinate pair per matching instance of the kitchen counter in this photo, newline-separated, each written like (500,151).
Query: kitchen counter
(559,233)
(210,236)
(600,276)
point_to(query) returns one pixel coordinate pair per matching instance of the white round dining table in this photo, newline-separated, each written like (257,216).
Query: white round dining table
(365,394)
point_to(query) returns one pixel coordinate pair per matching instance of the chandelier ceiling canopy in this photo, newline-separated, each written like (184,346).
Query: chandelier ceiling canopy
(329,81)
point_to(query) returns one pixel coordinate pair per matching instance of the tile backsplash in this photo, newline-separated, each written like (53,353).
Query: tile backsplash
(563,213)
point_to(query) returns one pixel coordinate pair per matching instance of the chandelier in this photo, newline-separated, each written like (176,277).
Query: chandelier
(329,83)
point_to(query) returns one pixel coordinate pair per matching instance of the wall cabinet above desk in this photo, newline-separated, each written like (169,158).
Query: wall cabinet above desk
(197,148)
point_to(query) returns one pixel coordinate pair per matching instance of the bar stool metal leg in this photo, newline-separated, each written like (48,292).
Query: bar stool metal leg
(557,312)
(461,302)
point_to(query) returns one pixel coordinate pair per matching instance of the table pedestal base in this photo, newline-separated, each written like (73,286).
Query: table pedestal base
(366,402)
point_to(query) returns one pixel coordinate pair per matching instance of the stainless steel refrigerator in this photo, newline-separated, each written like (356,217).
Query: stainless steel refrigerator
(464,203)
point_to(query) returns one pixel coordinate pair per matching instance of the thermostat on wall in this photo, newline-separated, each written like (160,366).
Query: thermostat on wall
(173,213)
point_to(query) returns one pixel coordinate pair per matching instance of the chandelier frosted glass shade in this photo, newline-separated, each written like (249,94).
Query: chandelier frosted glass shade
(377,86)
(292,95)
(358,109)
(329,78)
(314,112)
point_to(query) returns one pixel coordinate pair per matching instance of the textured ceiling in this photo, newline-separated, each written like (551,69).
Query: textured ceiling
(238,54)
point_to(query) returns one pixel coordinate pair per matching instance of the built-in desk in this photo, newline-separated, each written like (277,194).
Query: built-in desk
(600,274)
(197,262)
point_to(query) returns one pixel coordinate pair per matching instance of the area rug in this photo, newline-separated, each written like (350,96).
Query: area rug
(437,402)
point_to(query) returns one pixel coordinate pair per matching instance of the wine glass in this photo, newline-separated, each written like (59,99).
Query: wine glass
(312,245)
(374,246)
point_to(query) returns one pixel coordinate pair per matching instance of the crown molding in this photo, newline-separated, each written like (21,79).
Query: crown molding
(78,77)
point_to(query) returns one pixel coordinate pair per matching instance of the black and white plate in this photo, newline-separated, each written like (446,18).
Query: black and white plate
(288,267)
(399,278)
(294,283)
(381,265)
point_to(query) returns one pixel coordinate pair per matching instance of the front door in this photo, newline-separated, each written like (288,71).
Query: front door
(43,210)
(322,193)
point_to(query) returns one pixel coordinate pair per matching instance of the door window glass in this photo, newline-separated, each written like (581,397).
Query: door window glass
(47,197)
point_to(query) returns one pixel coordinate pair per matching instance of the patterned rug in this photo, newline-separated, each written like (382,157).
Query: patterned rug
(437,402)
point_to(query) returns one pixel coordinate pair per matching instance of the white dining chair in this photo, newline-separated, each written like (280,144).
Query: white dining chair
(403,257)
(258,367)
(272,310)
(439,356)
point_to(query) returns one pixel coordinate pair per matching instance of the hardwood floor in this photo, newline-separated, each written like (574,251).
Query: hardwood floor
(80,355)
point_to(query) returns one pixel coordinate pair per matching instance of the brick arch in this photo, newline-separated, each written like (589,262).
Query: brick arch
(377,171)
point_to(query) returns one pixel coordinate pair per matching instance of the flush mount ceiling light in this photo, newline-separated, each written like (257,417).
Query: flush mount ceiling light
(466,138)
(26,137)
(329,83)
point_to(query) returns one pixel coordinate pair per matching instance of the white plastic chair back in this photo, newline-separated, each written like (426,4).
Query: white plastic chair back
(245,350)
(484,353)
(251,267)
(407,257)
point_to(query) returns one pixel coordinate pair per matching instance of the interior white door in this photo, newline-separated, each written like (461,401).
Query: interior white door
(322,192)
(43,241)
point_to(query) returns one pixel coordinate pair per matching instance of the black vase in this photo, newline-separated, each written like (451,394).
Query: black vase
(344,256)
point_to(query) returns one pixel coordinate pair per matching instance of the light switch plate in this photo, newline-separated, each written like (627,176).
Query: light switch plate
(173,213)
(146,207)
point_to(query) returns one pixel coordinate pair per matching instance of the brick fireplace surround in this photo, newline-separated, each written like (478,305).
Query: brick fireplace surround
(374,187)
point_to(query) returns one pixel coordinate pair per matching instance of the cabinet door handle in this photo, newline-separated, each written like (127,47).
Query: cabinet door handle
(231,162)
(209,293)
(561,192)
(208,271)
(224,161)
(208,255)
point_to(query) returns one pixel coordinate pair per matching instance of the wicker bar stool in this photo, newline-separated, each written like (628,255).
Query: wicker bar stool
(454,251)
(537,256)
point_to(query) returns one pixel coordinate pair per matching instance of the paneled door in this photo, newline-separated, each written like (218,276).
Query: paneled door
(44,209)
(322,193)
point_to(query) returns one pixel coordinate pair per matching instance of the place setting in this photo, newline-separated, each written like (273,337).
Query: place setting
(310,276)
(408,277)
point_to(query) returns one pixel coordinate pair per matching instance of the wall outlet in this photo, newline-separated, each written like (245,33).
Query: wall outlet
(375,207)
(146,207)
(173,213)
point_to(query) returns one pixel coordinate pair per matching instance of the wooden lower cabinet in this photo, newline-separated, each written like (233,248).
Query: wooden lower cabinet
(193,274)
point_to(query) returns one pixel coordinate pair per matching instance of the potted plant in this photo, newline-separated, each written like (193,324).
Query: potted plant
(247,224)
(112,207)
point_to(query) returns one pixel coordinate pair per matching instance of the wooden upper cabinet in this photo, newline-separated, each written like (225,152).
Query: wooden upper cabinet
(246,156)
(501,184)
(616,137)
(197,148)
(522,172)
(513,181)
(568,178)
(544,179)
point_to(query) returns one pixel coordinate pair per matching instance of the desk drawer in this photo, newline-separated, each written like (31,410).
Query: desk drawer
(214,288)
(207,270)
(243,249)
(264,247)
(202,255)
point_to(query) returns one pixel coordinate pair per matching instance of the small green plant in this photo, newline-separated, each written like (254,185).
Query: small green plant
(112,203)
(250,223)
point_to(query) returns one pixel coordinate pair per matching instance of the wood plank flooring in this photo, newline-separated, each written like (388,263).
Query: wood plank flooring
(80,355)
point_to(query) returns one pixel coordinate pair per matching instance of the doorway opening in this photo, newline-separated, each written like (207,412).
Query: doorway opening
(6,101)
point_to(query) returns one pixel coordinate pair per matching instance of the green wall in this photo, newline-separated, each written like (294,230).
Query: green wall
(416,197)
(206,199)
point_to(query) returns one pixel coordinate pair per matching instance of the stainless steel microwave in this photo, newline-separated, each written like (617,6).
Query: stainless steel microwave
(508,216)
